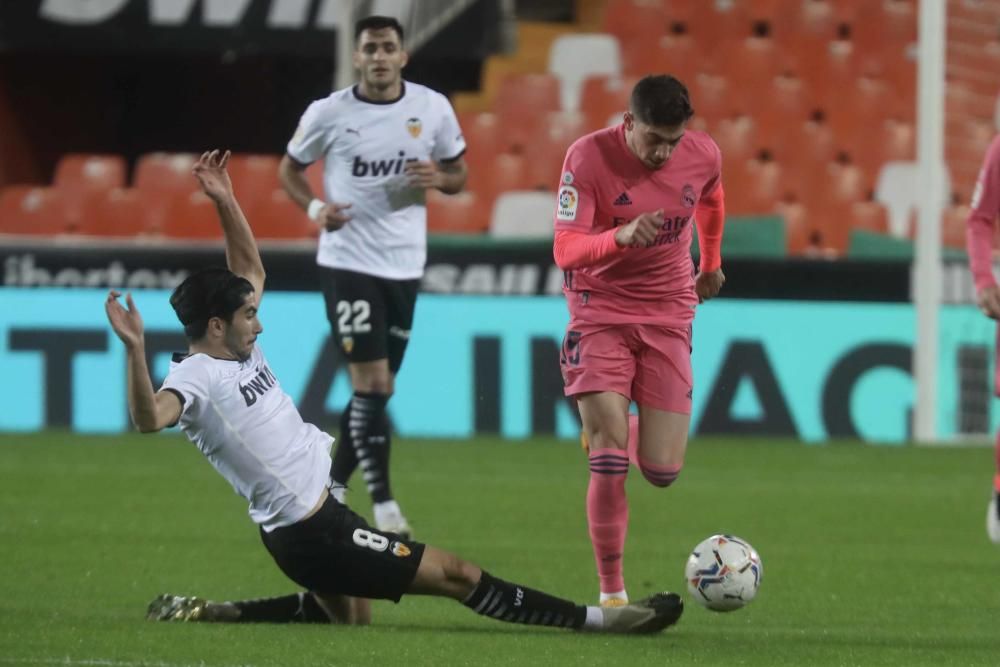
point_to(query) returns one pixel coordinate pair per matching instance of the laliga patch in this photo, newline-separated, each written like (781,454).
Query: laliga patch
(567,178)
(569,199)
(400,550)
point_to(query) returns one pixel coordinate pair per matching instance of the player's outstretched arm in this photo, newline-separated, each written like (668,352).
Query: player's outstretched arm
(242,255)
(150,411)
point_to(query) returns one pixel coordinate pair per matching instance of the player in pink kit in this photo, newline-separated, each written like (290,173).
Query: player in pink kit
(626,206)
(980,233)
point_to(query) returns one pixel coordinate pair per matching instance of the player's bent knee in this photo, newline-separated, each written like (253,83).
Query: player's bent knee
(661,475)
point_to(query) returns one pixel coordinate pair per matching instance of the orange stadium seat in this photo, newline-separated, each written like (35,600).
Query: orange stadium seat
(547,148)
(456,214)
(797,229)
(869,216)
(90,172)
(483,133)
(754,186)
(504,172)
(634,20)
(26,209)
(170,172)
(953,225)
(677,53)
(737,139)
(714,98)
(276,216)
(254,176)
(521,101)
(124,212)
(192,216)
(751,61)
(605,96)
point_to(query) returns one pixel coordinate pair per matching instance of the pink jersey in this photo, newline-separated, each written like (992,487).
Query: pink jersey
(981,223)
(604,185)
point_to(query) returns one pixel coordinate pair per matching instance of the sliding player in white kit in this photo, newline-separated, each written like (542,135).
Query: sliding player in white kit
(384,142)
(229,403)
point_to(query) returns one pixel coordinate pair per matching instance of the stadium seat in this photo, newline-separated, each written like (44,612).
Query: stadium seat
(714,98)
(797,230)
(737,139)
(275,216)
(634,21)
(575,57)
(953,225)
(166,172)
(191,216)
(521,101)
(482,132)
(523,215)
(605,96)
(896,189)
(90,173)
(125,212)
(869,216)
(754,186)
(677,53)
(455,214)
(834,185)
(503,173)
(254,176)
(40,211)
(547,148)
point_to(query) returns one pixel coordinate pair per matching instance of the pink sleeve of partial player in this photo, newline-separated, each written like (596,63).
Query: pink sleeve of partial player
(575,199)
(576,250)
(980,224)
(710,216)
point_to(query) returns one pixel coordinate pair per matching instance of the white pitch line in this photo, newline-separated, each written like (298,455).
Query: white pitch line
(98,662)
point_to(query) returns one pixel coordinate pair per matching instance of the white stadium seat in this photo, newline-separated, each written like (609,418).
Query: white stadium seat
(573,58)
(523,214)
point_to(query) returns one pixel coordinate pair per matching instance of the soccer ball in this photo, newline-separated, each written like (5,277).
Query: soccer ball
(723,573)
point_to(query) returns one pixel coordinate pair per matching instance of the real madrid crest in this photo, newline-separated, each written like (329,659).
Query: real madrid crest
(414,126)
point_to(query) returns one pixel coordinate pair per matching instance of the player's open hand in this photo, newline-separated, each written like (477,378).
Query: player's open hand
(708,284)
(988,300)
(127,324)
(423,174)
(333,216)
(210,170)
(641,231)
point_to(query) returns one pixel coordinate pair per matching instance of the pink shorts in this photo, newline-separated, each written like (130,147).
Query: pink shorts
(648,364)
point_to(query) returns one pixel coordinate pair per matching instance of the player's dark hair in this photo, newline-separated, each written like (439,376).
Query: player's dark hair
(377,23)
(207,294)
(660,100)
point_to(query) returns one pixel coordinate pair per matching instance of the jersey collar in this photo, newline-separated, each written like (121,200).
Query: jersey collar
(356,89)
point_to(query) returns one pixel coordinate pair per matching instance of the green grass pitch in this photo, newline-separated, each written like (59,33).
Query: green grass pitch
(872,556)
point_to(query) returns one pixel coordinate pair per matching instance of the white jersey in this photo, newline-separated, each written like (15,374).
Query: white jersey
(251,432)
(365,145)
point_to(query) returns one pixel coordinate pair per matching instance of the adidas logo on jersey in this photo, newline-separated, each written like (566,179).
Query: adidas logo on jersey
(362,168)
(623,200)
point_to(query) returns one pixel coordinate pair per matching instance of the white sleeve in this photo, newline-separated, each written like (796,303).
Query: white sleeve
(312,136)
(449,144)
(190,383)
